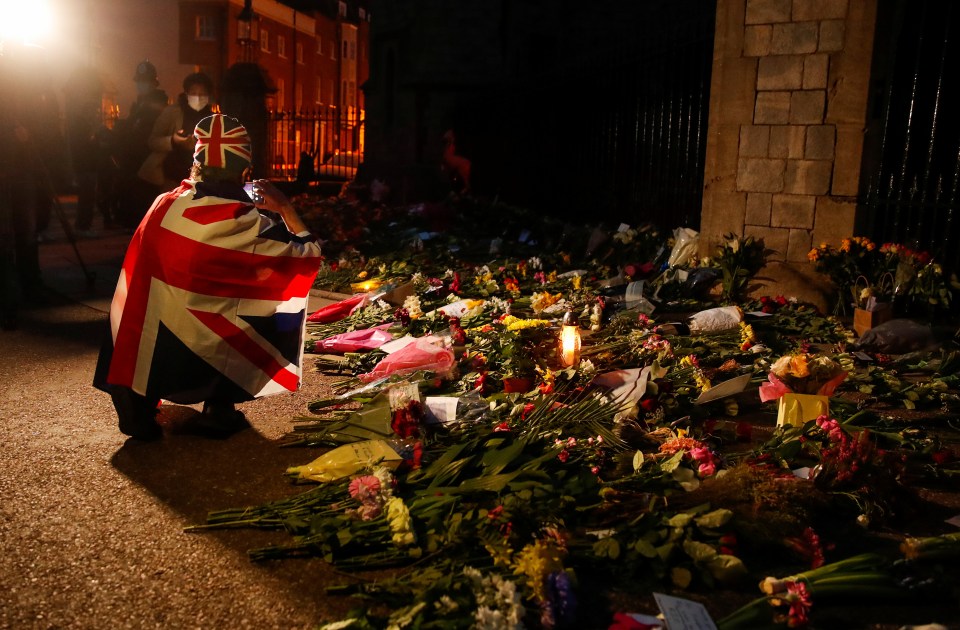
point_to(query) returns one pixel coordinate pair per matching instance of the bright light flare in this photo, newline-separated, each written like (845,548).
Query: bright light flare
(27,22)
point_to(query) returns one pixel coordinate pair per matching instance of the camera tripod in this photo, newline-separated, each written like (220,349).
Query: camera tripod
(90,276)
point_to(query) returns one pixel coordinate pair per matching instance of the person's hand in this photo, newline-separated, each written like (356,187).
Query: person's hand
(266,196)
(181,139)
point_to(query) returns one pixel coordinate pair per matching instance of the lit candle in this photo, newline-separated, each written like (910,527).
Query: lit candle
(569,340)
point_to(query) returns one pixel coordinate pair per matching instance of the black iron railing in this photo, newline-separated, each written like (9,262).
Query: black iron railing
(332,141)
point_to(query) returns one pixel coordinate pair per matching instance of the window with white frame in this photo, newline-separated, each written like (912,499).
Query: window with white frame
(281,46)
(343,9)
(205,28)
(363,13)
(264,41)
(299,52)
(319,94)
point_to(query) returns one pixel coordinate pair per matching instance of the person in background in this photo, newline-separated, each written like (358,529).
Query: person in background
(131,146)
(83,124)
(21,168)
(211,301)
(171,139)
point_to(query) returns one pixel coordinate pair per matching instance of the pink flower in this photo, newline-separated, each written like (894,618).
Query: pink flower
(364,488)
(800,603)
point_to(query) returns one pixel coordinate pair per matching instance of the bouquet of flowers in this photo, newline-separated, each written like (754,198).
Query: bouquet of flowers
(802,373)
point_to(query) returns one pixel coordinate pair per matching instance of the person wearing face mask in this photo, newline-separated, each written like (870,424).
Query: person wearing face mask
(171,141)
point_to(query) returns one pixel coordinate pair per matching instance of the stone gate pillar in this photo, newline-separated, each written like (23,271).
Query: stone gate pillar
(788,101)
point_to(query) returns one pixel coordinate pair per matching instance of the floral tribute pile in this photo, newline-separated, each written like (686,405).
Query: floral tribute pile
(511,487)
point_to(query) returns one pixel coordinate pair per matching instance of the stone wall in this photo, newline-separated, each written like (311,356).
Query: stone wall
(787,112)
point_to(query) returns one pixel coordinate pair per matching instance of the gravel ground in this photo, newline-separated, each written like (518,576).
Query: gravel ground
(92,524)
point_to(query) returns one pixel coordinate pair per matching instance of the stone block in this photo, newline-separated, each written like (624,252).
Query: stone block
(794,279)
(846,170)
(760,175)
(792,211)
(849,74)
(768,11)
(833,220)
(819,10)
(720,160)
(733,90)
(815,71)
(821,141)
(758,209)
(754,140)
(794,38)
(806,177)
(831,35)
(772,108)
(806,107)
(776,239)
(786,141)
(783,72)
(798,245)
(756,40)
(722,213)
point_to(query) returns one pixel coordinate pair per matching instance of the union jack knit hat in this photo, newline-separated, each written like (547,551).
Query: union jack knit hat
(222,142)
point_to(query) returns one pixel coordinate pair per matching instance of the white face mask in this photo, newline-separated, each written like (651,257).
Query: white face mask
(197,103)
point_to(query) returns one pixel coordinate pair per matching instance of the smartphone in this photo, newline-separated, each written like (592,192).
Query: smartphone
(248,188)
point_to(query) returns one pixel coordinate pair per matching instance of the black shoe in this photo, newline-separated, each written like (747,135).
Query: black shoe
(220,421)
(137,417)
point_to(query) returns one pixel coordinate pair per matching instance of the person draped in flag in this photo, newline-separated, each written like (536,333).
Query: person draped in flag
(210,305)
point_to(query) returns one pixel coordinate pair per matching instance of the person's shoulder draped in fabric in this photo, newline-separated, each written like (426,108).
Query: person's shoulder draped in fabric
(212,286)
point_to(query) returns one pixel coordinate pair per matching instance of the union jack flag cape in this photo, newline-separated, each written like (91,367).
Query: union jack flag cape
(210,288)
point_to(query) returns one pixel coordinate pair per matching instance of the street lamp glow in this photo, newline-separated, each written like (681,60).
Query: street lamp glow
(25,22)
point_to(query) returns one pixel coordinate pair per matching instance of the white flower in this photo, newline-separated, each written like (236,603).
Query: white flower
(535,263)
(412,304)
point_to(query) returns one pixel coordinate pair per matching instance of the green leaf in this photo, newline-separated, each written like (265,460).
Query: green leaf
(671,464)
(607,548)
(645,549)
(680,520)
(637,460)
(715,519)
(725,568)
(700,552)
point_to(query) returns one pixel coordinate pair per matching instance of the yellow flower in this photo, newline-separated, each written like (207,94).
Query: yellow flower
(798,366)
(535,562)
(845,245)
(813,254)
(577,282)
(362,275)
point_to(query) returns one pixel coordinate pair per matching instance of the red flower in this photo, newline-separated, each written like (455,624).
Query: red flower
(481,383)
(942,456)
(622,621)
(563,455)
(546,388)
(503,426)
(527,408)
(406,420)
(649,404)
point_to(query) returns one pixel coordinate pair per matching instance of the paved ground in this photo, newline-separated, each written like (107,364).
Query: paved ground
(91,524)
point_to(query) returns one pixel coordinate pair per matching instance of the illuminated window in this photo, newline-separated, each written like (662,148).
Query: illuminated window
(264,41)
(206,28)
(299,53)
(281,46)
